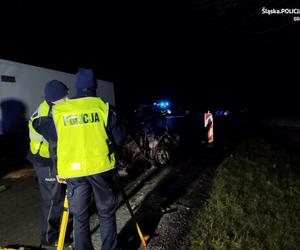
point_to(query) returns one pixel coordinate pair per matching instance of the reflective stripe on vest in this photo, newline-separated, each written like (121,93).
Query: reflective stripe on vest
(83,146)
(38,144)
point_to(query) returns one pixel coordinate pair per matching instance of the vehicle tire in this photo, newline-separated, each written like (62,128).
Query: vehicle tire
(162,156)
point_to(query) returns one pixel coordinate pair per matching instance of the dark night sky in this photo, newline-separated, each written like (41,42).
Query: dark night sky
(200,53)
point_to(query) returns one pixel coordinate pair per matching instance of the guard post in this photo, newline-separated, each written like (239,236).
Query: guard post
(209,123)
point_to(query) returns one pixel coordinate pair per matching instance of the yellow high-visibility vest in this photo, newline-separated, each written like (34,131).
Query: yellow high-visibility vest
(38,144)
(83,146)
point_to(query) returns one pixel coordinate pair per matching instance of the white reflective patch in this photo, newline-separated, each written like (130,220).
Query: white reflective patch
(50,179)
(35,136)
(76,165)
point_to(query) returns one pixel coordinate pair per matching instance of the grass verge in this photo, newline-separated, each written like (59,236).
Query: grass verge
(254,202)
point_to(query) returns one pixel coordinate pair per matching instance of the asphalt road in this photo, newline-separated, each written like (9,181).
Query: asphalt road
(20,209)
(154,196)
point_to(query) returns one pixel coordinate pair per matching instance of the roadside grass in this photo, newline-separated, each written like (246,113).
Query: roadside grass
(254,202)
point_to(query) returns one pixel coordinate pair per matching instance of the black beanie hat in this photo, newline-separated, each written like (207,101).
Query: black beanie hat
(55,90)
(85,82)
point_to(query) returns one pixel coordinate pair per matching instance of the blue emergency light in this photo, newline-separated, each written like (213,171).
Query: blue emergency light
(162,104)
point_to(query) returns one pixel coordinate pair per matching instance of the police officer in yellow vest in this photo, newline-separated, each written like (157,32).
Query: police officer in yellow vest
(52,192)
(87,133)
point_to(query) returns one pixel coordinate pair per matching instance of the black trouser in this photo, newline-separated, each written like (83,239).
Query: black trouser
(80,192)
(53,195)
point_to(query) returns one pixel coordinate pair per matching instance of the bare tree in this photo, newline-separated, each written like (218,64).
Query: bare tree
(250,19)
